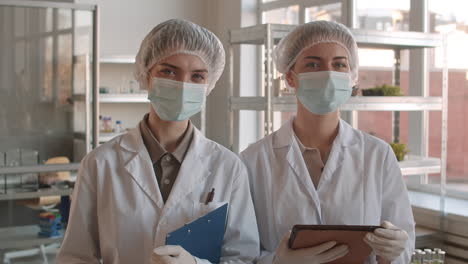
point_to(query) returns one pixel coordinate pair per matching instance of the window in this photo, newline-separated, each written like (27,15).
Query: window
(287,15)
(450,18)
(383,15)
(330,12)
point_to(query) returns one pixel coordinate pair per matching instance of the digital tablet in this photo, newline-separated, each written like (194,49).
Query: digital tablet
(304,236)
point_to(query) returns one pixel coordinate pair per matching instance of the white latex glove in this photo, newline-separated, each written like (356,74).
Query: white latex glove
(387,242)
(171,255)
(323,253)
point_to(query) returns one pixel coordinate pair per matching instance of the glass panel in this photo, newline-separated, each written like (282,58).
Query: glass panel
(65,54)
(64,18)
(46,18)
(383,15)
(288,15)
(46,69)
(19,20)
(450,18)
(36,98)
(331,12)
(82,82)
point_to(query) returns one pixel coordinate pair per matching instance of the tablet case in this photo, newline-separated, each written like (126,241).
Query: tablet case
(203,237)
(304,236)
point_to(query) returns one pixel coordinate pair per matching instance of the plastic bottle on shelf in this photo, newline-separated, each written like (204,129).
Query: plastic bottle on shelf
(428,256)
(101,124)
(440,257)
(107,124)
(133,86)
(414,258)
(118,127)
(124,88)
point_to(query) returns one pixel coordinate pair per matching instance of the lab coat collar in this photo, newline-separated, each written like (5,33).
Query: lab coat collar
(136,160)
(193,171)
(347,136)
(284,138)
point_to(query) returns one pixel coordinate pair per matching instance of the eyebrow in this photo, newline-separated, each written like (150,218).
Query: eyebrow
(177,68)
(318,58)
(170,66)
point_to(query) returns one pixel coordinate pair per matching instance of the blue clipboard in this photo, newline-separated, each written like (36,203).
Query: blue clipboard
(203,238)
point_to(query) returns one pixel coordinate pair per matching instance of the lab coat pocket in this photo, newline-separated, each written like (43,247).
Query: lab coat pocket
(201,209)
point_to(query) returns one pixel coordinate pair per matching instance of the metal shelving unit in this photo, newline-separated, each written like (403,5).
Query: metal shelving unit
(118,59)
(20,237)
(40,193)
(258,34)
(358,103)
(269,34)
(123,98)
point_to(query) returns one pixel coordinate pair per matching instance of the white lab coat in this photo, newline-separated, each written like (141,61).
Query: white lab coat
(361,184)
(118,213)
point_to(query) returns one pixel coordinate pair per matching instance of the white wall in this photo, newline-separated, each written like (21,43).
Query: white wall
(225,15)
(124,23)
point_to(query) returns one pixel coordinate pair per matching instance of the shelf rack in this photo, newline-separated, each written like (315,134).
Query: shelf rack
(123,98)
(128,59)
(19,237)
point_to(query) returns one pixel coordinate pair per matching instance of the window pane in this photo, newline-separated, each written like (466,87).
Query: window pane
(331,12)
(45,19)
(287,15)
(65,54)
(29,116)
(46,69)
(450,17)
(383,15)
(19,19)
(64,18)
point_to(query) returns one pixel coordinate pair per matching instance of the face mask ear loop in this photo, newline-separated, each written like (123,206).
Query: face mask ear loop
(289,87)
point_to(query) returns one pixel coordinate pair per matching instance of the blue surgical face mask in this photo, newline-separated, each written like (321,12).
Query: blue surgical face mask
(324,91)
(176,101)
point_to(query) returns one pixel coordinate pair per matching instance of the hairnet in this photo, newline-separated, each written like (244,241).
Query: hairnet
(305,36)
(176,36)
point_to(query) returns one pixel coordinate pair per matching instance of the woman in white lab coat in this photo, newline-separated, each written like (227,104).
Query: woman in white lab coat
(317,169)
(132,191)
